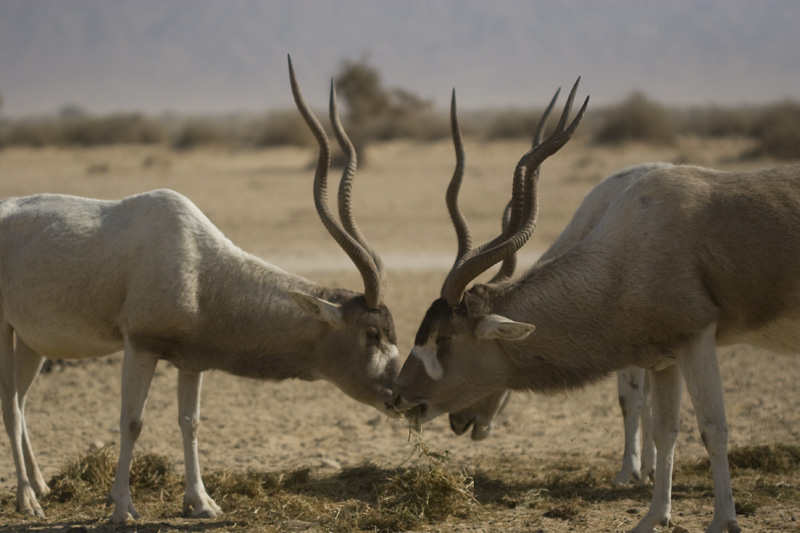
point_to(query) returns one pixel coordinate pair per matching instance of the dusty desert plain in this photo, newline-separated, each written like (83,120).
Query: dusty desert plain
(297,456)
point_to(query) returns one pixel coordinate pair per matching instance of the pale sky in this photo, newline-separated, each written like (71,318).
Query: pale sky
(220,56)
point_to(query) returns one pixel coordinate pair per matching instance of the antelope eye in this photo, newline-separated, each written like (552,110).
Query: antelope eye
(373,334)
(440,340)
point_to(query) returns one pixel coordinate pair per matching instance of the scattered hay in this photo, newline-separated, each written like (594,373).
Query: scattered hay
(431,493)
(771,458)
(365,497)
(373,498)
(90,476)
(566,511)
(81,478)
(775,458)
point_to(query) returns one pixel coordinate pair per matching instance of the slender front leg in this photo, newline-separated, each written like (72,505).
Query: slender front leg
(630,387)
(196,500)
(13,421)
(704,384)
(137,373)
(648,446)
(29,363)
(667,388)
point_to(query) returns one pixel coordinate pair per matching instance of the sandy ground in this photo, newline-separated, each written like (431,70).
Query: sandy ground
(262,201)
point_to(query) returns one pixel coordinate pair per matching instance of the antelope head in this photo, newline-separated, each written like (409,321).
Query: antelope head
(482,415)
(462,352)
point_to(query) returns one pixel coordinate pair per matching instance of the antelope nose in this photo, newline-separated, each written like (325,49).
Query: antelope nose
(394,403)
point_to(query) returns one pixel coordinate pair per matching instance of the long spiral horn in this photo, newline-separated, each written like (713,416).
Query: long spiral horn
(373,286)
(524,193)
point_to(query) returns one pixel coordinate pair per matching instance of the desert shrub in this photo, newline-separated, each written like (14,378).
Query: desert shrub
(112,129)
(375,112)
(715,121)
(778,131)
(636,119)
(512,124)
(84,131)
(282,128)
(33,133)
(196,133)
(418,126)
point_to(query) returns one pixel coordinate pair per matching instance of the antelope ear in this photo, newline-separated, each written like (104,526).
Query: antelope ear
(499,327)
(318,308)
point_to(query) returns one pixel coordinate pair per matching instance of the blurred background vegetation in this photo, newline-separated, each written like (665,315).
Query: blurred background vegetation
(372,112)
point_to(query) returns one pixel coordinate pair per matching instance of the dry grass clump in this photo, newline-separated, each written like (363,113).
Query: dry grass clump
(762,475)
(430,493)
(769,458)
(365,497)
(369,497)
(86,477)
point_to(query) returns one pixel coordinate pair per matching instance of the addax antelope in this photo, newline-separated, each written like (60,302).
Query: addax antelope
(638,460)
(685,259)
(151,275)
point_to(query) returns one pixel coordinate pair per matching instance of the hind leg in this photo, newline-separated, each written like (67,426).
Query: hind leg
(138,367)
(630,387)
(28,365)
(667,387)
(704,384)
(14,421)
(648,446)
(196,501)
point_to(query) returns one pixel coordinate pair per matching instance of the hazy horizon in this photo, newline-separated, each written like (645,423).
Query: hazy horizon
(202,56)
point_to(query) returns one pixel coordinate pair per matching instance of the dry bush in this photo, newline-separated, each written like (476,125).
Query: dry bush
(778,131)
(282,128)
(377,113)
(32,133)
(83,131)
(715,121)
(512,124)
(200,133)
(111,129)
(418,126)
(636,119)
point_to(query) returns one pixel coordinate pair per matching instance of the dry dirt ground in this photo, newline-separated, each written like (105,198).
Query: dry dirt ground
(262,201)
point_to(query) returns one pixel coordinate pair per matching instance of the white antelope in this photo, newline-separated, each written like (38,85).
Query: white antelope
(685,259)
(150,274)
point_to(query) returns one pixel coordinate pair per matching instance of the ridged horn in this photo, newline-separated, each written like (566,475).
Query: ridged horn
(346,185)
(510,263)
(373,286)
(453,189)
(522,218)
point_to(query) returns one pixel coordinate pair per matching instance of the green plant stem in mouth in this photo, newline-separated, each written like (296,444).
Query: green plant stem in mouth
(413,416)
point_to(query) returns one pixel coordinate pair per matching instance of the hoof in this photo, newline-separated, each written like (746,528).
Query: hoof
(624,478)
(204,513)
(123,518)
(205,508)
(27,503)
(32,512)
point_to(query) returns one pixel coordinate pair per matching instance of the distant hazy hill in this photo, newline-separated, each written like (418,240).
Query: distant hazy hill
(218,55)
